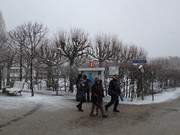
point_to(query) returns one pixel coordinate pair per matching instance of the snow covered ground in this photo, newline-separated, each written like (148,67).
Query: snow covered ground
(167,95)
(51,102)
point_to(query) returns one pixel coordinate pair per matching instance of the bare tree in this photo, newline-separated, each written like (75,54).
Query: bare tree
(10,58)
(3,37)
(18,38)
(49,55)
(167,71)
(72,45)
(35,34)
(29,36)
(105,48)
(3,46)
(129,53)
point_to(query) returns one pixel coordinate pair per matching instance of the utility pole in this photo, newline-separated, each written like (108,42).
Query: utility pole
(142,72)
(152,86)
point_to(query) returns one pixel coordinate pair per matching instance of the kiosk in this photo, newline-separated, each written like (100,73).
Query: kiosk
(92,73)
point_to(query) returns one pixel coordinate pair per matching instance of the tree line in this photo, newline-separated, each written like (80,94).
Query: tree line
(29,47)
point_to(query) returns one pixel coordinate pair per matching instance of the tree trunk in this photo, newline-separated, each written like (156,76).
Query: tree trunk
(65,84)
(37,76)
(8,74)
(152,90)
(26,73)
(142,88)
(31,77)
(20,62)
(71,89)
(56,85)
(49,77)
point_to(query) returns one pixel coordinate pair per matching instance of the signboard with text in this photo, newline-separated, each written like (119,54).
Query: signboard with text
(139,61)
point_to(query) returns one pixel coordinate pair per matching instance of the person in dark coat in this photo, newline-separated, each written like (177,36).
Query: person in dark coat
(114,92)
(97,92)
(79,78)
(81,95)
(78,81)
(88,92)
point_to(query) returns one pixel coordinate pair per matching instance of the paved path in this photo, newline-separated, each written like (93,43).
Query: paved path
(158,119)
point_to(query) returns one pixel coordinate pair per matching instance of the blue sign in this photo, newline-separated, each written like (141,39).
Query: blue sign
(139,61)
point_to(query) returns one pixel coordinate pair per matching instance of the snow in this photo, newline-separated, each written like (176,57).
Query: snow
(48,102)
(165,96)
(51,102)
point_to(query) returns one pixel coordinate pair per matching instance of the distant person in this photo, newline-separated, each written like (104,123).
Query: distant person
(114,91)
(81,95)
(78,81)
(90,82)
(97,97)
(88,92)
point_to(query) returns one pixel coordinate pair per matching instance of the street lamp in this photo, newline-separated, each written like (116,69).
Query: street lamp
(142,71)
(152,85)
(141,68)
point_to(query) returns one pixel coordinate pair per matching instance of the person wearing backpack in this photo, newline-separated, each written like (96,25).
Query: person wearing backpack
(97,98)
(114,91)
(83,89)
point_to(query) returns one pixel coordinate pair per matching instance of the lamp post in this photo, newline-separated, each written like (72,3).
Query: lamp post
(0,76)
(152,85)
(58,71)
(142,71)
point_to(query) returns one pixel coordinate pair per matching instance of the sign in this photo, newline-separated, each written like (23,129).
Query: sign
(141,68)
(91,64)
(139,61)
(92,73)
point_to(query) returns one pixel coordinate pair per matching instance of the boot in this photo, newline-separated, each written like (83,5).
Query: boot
(104,116)
(106,108)
(115,110)
(79,108)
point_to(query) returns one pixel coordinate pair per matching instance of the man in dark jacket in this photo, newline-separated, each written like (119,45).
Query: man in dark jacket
(114,92)
(81,95)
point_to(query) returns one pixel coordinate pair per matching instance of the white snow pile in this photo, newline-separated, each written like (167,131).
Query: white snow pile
(51,103)
(167,95)
(48,102)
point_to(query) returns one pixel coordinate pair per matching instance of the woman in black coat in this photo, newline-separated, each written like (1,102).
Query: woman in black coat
(97,97)
(81,92)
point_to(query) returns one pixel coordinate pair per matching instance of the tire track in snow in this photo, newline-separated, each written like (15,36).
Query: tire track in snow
(20,117)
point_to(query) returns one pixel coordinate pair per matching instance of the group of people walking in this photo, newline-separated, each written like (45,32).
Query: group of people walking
(97,94)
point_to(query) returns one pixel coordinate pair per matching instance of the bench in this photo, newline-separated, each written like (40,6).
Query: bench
(17,88)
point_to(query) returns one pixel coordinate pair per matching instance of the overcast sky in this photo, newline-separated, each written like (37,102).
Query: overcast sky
(151,24)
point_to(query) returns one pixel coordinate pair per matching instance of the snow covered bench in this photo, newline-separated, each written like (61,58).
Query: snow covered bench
(17,88)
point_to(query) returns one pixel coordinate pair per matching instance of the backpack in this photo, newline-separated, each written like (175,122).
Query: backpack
(83,86)
(109,92)
(110,88)
(81,92)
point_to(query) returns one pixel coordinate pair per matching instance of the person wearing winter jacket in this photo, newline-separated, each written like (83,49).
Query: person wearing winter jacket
(114,91)
(82,90)
(97,97)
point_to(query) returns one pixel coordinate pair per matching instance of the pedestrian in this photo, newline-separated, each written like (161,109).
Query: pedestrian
(78,81)
(114,91)
(97,98)
(79,78)
(81,95)
(88,92)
